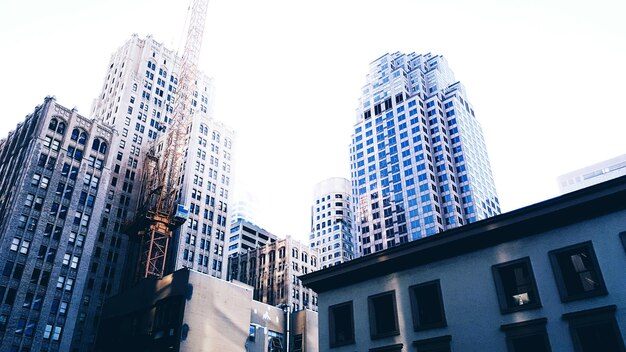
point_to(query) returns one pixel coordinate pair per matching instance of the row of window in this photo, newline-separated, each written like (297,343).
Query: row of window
(577,274)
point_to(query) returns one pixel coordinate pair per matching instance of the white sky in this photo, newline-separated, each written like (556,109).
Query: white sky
(546,78)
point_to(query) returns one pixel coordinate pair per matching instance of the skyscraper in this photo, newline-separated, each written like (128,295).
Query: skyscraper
(137,101)
(418,159)
(331,222)
(273,269)
(54,168)
(593,174)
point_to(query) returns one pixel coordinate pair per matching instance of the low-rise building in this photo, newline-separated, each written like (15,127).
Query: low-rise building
(192,311)
(547,277)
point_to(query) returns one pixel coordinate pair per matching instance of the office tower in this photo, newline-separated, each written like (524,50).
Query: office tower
(244,207)
(245,236)
(331,222)
(593,174)
(53,170)
(418,160)
(273,270)
(137,100)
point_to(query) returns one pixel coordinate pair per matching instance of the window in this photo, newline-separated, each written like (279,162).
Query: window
(595,330)
(427,306)
(435,344)
(527,336)
(383,315)
(391,348)
(341,324)
(297,343)
(516,286)
(577,272)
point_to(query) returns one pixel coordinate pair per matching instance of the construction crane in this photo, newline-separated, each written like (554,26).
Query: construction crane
(159,214)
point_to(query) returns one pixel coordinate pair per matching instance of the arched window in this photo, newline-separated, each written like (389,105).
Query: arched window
(75,133)
(61,128)
(82,138)
(53,124)
(96,144)
(103,148)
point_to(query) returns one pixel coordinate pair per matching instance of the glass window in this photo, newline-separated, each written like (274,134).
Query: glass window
(341,324)
(577,272)
(382,315)
(427,306)
(515,285)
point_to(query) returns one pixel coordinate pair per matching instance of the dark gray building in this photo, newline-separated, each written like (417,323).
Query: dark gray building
(52,168)
(547,277)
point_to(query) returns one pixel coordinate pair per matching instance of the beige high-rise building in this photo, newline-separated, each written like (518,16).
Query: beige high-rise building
(273,271)
(137,101)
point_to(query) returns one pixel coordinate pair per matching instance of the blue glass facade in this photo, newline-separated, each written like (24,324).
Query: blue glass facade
(418,160)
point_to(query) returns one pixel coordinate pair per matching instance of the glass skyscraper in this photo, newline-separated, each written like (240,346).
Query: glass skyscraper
(418,159)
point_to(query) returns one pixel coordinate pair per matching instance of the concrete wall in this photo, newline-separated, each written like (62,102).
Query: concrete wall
(469,293)
(265,318)
(304,323)
(218,315)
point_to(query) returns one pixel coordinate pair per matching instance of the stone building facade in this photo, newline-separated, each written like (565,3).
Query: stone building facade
(52,169)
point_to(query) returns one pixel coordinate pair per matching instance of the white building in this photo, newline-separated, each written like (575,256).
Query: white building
(418,159)
(245,207)
(547,277)
(331,222)
(137,102)
(593,174)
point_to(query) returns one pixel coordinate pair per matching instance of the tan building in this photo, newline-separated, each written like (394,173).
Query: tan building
(190,311)
(273,271)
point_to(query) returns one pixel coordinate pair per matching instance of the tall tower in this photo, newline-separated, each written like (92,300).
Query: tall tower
(54,168)
(331,222)
(418,159)
(137,101)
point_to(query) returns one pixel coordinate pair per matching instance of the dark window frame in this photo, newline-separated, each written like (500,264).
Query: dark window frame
(591,317)
(374,334)
(417,326)
(505,307)
(434,344)
(525,329)
(567,296)
(622,235)
(331,325)
(390,348)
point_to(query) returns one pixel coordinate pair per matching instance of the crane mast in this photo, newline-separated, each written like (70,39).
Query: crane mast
(159,213)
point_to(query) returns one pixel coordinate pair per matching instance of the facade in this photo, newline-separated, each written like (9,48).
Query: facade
(418,159)
(137,101)
(593,174)
(547,277)
(245,236)
(53,168)
(331,222)
(273,271)
(191,311)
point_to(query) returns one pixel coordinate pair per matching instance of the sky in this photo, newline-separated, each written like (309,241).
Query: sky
(545,77)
